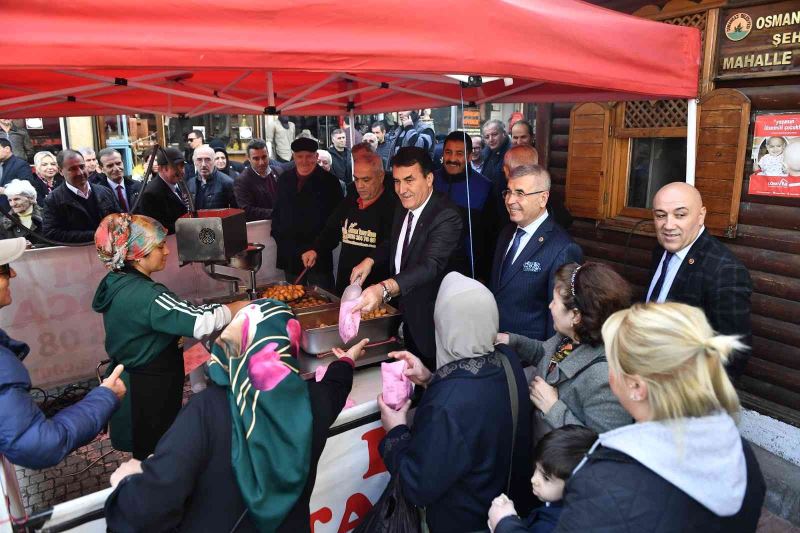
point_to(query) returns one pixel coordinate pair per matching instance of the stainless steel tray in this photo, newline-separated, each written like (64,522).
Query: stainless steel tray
(333,300)
(319,340)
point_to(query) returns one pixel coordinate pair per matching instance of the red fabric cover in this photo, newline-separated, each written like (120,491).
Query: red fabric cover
(572,50)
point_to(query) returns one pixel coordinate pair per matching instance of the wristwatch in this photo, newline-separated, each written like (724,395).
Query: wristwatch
(386,296)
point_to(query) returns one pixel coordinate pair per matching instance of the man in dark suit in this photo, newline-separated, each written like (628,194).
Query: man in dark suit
(692,267)
(529,252)
(75,208)
(426,244)
(125,190)
(12,167)
(161,198)
(210,187)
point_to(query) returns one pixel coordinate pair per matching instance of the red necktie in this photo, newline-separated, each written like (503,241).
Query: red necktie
(121,197)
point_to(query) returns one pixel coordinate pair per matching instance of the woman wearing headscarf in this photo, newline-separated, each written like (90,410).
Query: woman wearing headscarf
(223,163)
(456,458)
(22,198)
(45,175)
(571,378)
(144,325)
(242,455)
(683,466)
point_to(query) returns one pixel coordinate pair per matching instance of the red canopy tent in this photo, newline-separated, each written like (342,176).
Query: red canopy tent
(321,57)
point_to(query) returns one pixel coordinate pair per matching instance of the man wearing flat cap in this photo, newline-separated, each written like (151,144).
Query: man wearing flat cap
(307,195)
(161,198)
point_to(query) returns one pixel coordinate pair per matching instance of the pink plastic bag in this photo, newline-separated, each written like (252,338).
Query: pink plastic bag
(397,388)
(319,373)
(348,320)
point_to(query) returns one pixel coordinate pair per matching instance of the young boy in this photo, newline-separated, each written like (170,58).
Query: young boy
(556,456)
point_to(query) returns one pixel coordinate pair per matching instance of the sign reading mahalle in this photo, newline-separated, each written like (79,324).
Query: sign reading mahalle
(776,156)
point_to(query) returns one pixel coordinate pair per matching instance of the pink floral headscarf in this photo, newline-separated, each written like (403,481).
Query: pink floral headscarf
(122,237)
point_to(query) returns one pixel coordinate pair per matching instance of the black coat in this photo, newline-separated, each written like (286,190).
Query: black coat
(132,188)
(67,220)
(341,164)
(15,168)
(257,195)
(435,250)
(299,217)
(189,483)
(42,190)
(613,492)
(218,192)
(9,230)
(161,203)
(715,280)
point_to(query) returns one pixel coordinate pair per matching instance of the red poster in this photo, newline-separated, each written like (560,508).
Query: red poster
(776,156)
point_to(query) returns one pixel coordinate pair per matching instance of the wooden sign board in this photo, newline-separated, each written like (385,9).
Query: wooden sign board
(759,41)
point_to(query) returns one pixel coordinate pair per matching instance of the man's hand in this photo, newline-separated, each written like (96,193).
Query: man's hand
(415,370)
(361,271)
(371,298)
(309,258)
(391,418)
(355,351)
(114,382)
(502,338)
(543,395)
(501,508)
(128,468)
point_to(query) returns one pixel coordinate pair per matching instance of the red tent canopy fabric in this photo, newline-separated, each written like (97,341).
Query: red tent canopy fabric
(325,57)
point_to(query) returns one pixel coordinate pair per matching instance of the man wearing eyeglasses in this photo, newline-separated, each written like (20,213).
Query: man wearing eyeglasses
(529,251)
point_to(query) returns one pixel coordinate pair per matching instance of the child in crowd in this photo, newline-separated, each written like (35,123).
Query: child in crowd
(771,164)
(556,456)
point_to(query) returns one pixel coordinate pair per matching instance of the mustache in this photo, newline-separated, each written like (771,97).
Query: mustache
(452,162)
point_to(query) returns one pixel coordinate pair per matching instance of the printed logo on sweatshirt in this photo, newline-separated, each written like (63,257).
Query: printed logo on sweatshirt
(354,236)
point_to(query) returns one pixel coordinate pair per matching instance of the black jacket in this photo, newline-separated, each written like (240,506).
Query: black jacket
(9,230)
(435,250)
(15,168)
(189,483)
(67,220)
(257,195)
(161,203)
(341,164)
(715,280)
(132,189)
(42,190)
(299,217)
(217,194)
(613,492)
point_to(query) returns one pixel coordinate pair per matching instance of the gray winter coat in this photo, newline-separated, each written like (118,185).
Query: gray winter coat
(584,396)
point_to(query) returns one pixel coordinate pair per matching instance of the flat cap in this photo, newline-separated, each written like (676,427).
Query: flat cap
(303,144)
(170,156)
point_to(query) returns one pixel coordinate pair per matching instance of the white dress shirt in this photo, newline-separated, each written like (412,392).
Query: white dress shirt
(84,195)
(114,185)
(529,230)
(672,270)
(399,252)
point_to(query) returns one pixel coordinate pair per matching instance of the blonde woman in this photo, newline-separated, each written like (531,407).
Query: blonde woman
(46,176)
(683,465)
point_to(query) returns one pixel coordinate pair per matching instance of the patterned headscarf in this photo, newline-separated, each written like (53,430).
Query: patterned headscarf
(122,237)
(270,407)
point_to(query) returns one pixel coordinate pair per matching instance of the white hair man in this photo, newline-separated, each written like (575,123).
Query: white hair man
(210,188)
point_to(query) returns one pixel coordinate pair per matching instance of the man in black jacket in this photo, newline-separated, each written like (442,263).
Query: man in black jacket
(256,188)
(425,245)
(161,198)
(307,195)
(210,187)
(692,267)
(125,190)
(75,208)
(12,167)
(341,164)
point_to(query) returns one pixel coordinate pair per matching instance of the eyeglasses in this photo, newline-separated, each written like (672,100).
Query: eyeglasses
(5,270)
(520,195)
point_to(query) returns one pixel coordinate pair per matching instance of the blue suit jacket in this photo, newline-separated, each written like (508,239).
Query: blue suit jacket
(524,292)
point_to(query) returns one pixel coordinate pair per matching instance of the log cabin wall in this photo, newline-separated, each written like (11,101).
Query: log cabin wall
(767,242)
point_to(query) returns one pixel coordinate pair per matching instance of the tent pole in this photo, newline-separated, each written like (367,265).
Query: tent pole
(509,92)
(308,90)
(270,90)
(691,140)
(324,99)
(222,91)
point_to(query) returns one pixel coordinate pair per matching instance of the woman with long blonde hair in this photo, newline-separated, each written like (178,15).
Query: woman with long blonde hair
(683,466)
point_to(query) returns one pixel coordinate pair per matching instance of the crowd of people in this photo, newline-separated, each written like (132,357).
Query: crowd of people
(626,421)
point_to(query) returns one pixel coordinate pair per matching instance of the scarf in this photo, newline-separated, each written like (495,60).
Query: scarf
(465,318)
(122,237)
(270,408)
(27,217)
(565,347)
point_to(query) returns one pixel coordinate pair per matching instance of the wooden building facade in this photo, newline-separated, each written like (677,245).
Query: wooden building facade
(594,151)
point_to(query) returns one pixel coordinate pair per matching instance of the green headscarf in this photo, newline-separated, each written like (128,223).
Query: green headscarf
(270,409)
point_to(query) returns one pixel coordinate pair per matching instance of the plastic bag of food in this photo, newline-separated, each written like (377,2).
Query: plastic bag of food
(348,320)
(397,388)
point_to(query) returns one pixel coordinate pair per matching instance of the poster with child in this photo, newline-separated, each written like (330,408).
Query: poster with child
(776,156)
